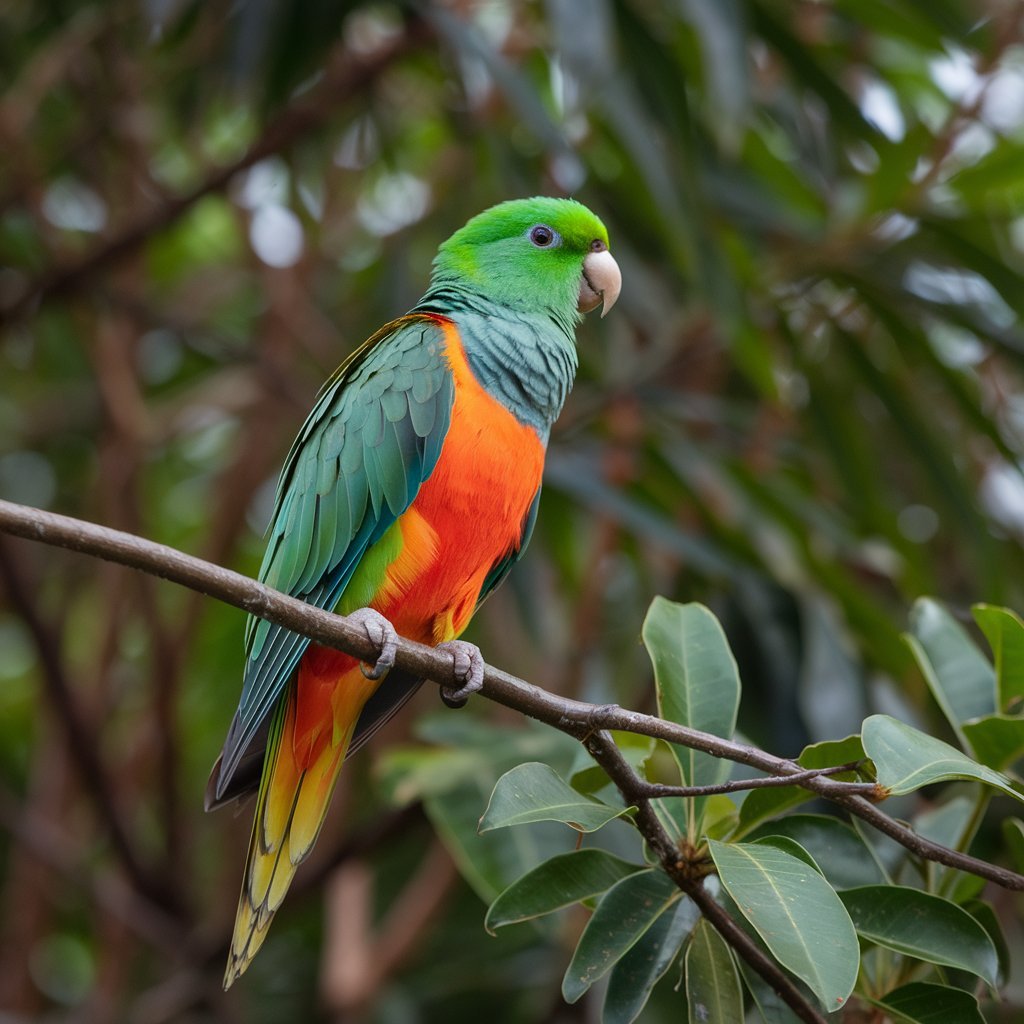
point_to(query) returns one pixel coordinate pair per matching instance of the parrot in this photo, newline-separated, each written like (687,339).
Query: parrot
(409,493)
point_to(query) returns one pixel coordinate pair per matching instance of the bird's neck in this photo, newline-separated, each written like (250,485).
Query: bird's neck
(526,360)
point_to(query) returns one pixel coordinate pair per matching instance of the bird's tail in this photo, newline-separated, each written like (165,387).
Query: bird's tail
(309,736)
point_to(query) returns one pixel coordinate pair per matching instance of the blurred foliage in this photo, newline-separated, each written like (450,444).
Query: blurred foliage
(805,411)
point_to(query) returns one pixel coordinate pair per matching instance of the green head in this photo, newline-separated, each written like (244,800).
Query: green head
(533,255)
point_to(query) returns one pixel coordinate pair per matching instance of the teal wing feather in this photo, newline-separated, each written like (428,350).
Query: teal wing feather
(373,437)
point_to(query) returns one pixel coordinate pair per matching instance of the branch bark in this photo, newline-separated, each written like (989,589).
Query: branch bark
(570,716)
(586,722)
(603,750)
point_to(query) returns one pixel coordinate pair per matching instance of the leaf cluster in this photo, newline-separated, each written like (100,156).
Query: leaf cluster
(847,914)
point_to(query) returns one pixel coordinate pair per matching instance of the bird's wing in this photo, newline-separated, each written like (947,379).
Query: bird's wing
(373,437)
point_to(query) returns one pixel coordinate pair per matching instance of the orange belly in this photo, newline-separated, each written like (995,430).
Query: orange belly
(466,517)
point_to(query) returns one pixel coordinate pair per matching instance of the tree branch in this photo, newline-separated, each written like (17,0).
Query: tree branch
(680,869)
(577,718)
(657,789)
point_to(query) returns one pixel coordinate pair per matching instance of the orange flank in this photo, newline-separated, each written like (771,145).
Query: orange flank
(465,519)
(473,506)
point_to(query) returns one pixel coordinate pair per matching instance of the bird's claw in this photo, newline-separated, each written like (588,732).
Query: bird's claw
(469,671)
(382,635)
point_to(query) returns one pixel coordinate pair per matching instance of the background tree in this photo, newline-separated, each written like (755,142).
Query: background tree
(806,415)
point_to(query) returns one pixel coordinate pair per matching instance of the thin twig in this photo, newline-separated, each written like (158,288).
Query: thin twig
(682,871)
(657,789)
(574,717)
(742,943)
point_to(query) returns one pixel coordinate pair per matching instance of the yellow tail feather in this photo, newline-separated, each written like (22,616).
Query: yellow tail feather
(291,806)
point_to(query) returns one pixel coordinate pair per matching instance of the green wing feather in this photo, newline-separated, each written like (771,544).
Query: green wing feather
(373,437)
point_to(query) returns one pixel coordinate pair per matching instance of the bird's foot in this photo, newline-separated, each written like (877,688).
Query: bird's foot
(469,672)
(382,635)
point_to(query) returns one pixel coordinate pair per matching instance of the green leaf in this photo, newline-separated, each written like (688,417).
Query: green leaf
(770,1005)
(945,824)
(698,686)
(713,993)
(1004,630)
(491,862)
(628,909)
(557,883)
(697,681)
(461,747)
(762,804)
(535,792)
(639,970)
(1013,834)
(997,740)
(922,1002)
(837,849)
(406,774)
(984,914)
(587,777)
(907,759)
(924,926)
(797,914)
(962,682)
(790,846)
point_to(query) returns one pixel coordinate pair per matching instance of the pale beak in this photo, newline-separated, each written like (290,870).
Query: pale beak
(601,282)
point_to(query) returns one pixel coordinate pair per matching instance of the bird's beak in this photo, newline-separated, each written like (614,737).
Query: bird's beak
(601,282)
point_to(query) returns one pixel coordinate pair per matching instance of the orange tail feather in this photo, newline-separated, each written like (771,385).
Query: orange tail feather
(308,739)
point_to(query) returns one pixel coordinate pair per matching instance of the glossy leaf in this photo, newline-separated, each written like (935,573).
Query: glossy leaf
(790,846)
(558,883)
(837,849)
(961,680)
(535,792)
(985,915)
(627,911)
(713,993)
(1013,832)
(697,681)
(490,862)
(923,1002)
(639,970)
(907,759)
(770,1005)
(922,925)
(1004,630)
(997,740)
(797,914)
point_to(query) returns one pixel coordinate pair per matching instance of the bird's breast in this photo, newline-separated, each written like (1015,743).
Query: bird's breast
(469,514)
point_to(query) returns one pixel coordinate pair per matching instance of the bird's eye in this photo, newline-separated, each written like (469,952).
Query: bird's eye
(544,237)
